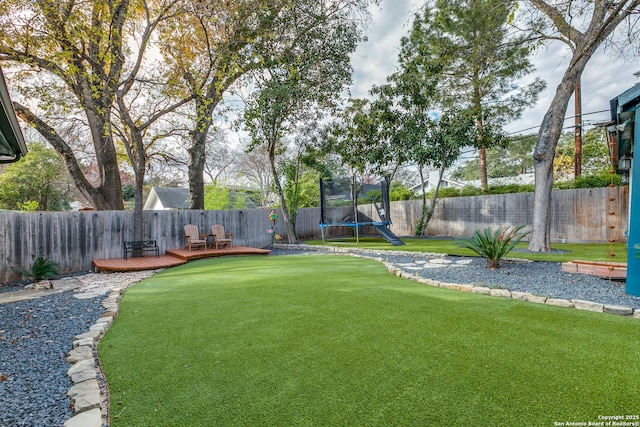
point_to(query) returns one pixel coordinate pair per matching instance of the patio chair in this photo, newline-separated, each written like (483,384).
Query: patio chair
(194,239)
(220,239)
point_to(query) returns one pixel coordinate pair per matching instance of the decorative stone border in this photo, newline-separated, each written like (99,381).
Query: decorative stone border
(90,399)
(524,296)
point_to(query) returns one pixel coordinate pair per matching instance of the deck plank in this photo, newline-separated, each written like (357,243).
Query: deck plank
(171,258)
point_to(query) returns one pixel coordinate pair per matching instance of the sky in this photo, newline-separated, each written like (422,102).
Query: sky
(604,78)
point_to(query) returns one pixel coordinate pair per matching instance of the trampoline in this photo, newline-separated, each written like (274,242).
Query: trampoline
(339,207)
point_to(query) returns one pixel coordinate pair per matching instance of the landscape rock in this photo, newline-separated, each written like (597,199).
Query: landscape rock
(83,387)
(558,302)
(535,299)
(519,295)
(82,371)
(91,418)
(462,288)
(85,395)
(588,305)
(619,310)
(80,353)
(502,293)
(93,334)
(85,401)
(84,342)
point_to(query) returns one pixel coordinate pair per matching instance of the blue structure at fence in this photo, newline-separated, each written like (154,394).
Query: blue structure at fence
(625,112)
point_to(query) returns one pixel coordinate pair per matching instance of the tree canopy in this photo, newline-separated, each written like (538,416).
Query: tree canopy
(474,60)
(38,181)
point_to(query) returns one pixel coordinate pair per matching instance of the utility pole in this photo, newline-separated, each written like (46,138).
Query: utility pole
(577,160)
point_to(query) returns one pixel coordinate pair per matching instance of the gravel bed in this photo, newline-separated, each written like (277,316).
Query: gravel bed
(35,337)
(539,278)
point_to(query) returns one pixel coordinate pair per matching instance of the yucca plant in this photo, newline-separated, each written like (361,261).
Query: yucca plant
(493,245)
(41,269)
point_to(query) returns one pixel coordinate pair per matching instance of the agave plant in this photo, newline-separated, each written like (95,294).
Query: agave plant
(41,269)
(493,245)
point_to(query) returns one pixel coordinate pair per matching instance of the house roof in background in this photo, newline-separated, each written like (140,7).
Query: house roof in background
(171,197)
(12,144)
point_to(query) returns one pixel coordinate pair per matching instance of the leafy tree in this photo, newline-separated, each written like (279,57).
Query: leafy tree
(300,170)
(218,43)
(254,168)
(274,112)
(583,26)
(430,132)
(36,182)
(439,145)
(350,137)
(477,62)
(293,93)
(398,192)
(127,192)
(502,161)
(218,197)
(595,155)
(99,51)
(301,188)
(76,51)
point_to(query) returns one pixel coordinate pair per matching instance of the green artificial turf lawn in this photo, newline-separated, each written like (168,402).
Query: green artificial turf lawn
(574,251)
(325,340)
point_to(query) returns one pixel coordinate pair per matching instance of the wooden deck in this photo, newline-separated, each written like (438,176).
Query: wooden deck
(171,258)
(208,253)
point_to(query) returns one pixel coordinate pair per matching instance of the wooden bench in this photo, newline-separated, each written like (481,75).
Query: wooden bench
(138,247)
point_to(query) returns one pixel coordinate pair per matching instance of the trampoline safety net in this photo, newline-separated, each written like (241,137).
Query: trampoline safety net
(339,201)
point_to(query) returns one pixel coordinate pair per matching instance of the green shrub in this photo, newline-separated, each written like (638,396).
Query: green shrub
(41,269)
(447,192)
(493,245)
(510,188)
(128,192)
(591,181)
(470,191)
(400,192)
(596,181)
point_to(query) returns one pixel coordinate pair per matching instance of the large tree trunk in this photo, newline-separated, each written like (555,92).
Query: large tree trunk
(290,231)
(197,150)
(484,180)
(110,186)
(544,153)
(197,157)
(107,195)
(205,106)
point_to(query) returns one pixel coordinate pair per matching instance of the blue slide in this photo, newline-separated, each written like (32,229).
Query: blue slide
(387,234)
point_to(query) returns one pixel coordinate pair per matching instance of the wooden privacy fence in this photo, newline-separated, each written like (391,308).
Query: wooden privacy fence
(581,215)
(75,239)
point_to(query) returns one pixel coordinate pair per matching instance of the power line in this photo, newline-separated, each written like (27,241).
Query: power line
(565,119)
